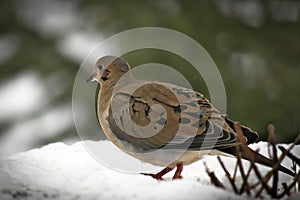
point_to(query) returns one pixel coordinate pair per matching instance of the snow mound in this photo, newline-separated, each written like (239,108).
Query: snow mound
(58,171)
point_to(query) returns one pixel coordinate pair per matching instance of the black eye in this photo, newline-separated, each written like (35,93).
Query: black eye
(100,67)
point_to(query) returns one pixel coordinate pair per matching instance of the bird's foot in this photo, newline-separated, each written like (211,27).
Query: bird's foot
(159,175)
(179,168)
(155,176)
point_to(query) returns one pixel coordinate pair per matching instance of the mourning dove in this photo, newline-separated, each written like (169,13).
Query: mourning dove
(161,123)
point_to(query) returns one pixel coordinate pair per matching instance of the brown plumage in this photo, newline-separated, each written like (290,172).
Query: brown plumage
(143,117)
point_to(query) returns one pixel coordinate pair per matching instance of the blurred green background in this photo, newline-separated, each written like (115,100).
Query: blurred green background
(255,44)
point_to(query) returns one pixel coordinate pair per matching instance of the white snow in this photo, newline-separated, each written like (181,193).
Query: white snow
(59,171)
(24,135)
(86,40)
(26,113)
(21,95)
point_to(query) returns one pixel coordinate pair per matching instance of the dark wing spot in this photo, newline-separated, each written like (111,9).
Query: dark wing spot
(195,114)
(184,120)
(177,109)
(162,121)
(183,107)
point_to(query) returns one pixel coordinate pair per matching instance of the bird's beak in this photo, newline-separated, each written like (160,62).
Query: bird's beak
(91,78)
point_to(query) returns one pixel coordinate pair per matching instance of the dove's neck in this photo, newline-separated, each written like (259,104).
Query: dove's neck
(118,81)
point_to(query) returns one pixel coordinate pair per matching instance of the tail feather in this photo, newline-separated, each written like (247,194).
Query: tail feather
(258,158)
(251,136)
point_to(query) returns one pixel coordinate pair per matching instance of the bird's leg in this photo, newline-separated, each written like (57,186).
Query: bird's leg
(179,168)
(160,174)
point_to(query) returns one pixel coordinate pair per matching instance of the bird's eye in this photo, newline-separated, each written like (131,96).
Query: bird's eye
(100,67)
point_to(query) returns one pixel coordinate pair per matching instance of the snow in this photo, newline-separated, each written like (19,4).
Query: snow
(27,86)
(26,134)
(27,115)
(59,171)
(86,40)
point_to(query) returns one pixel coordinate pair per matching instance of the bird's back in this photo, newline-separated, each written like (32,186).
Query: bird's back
(154,115)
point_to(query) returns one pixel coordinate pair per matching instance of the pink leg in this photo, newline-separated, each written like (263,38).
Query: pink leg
(160,174)
(178,171)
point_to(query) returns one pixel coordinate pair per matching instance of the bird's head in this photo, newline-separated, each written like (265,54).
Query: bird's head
(108,68)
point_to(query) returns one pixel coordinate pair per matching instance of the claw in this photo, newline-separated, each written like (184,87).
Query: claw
(159,175)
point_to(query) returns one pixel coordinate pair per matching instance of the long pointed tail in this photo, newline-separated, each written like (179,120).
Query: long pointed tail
(258,158)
